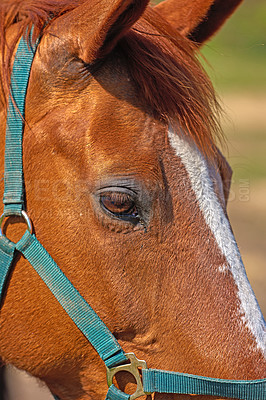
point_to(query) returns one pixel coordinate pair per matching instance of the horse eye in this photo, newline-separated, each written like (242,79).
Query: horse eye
(119,204)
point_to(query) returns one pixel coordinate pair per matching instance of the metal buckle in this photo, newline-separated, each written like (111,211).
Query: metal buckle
(23,215)
(133,369)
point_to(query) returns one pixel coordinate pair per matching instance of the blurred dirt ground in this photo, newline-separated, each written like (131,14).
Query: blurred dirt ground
(249,225)
(21,386)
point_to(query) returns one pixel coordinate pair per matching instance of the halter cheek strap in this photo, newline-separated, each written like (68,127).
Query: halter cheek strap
(92,327)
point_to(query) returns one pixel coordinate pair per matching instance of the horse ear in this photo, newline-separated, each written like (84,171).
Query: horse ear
(198,19)
(94,28)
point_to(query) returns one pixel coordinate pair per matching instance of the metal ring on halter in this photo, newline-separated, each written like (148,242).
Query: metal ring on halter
(133,369)
(23,214)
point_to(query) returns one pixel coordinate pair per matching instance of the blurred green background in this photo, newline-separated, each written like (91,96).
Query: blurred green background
(235,59)
(238,52)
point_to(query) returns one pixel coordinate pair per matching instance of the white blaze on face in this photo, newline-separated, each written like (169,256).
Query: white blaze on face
(201,183)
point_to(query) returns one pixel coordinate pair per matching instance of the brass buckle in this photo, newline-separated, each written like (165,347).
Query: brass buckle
(133,369)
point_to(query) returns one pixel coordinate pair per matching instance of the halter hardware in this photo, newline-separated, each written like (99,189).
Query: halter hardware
(22,214)
(134,369)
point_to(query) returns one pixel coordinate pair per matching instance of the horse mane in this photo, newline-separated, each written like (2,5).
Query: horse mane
(161,61)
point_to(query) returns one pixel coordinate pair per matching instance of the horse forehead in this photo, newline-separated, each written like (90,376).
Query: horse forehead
(120,130)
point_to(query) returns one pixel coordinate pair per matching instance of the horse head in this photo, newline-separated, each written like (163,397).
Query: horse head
(127,191)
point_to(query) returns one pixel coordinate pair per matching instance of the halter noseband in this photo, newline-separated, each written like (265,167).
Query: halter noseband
(92,327)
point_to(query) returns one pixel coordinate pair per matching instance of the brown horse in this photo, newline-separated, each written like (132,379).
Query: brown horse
(127,191)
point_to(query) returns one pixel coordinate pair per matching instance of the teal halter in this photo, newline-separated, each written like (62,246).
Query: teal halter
(92,327)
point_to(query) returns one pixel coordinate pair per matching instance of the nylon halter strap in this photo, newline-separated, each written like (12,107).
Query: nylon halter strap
(96,332)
